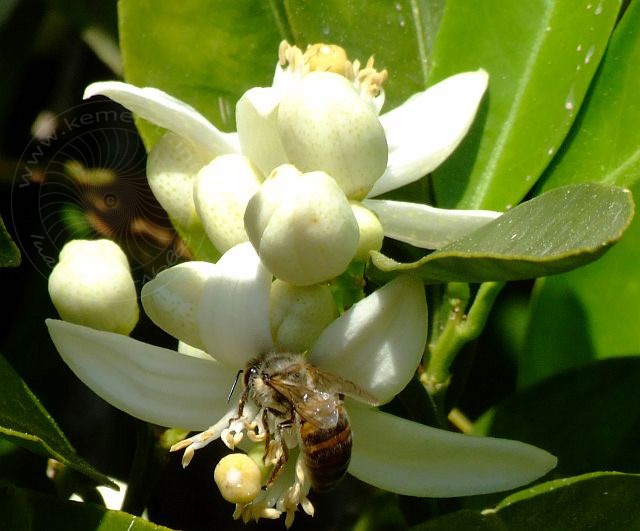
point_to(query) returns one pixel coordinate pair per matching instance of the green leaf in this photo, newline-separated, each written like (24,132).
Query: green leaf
(604,147)
(9,252)
(541,56)
(587,417)
(24,510)
(24,421)
(204,52)
(606,501)
(552,233)
(209,52)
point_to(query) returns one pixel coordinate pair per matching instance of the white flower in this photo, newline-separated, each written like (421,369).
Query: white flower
(92,285)
(377,344)
(323,121)
(302,226)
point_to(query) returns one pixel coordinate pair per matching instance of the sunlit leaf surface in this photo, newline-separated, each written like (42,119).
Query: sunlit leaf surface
(552,233)
(541,56)
(603,298)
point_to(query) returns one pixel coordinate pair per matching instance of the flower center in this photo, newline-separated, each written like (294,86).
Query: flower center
(322,57)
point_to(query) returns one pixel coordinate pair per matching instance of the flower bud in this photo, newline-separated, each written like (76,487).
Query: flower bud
(92,286)
(238,478)
(171,169)
(302,226)
(298,314)
(324,124)
(371,231)
(172,298)
(221,192)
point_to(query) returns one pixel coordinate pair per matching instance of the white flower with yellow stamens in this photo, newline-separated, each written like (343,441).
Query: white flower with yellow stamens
(321,115)
(221,315)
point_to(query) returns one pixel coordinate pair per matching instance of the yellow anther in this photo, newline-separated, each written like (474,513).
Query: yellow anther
(326,58)
(321,57)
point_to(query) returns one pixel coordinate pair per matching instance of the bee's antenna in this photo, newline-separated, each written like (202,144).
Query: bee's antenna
(233,387)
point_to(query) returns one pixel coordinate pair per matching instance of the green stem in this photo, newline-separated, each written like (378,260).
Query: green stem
(139,486)
(459,329)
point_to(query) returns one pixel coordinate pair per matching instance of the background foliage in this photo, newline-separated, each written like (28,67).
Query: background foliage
(556,364)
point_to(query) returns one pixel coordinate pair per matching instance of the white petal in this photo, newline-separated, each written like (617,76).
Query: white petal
(164,110)
(172,299)
(379,341)
(257,124)
(151,383)
(425,129)
(172,166)
(325,125)
(234,309)
(426,226)
(221,192)
(302,226)
(416,460)
(285,79)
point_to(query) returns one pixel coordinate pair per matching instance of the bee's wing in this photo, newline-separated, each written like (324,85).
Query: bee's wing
(315,406)
(327,381)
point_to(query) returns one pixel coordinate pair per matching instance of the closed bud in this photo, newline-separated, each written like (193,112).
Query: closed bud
(302,226)
(92,286)
(371,231)
(221,192)
(298,314)
(325,124)
(172,166)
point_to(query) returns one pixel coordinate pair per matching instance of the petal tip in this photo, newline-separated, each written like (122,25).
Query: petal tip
(95,89)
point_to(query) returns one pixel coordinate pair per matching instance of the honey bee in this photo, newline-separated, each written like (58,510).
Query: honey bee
(293,393)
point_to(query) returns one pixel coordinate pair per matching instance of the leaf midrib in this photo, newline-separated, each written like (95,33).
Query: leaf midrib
(485,180)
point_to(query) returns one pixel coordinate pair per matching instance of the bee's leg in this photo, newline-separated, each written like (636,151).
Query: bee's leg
(267,431)
(241,403)
(285,450)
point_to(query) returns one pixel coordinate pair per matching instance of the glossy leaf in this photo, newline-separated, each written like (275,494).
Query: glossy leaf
(9,253)
(24,421)
(541,56)
(605,501)
(204,52)
(26,510)
(552,233)
(209,52)
(587,417)
(605,144)
(605,148)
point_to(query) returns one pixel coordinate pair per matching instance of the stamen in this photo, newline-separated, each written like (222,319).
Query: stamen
(322,57)
(187,456)
(288,521)
(270,513)
(228,439)
(307,506)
